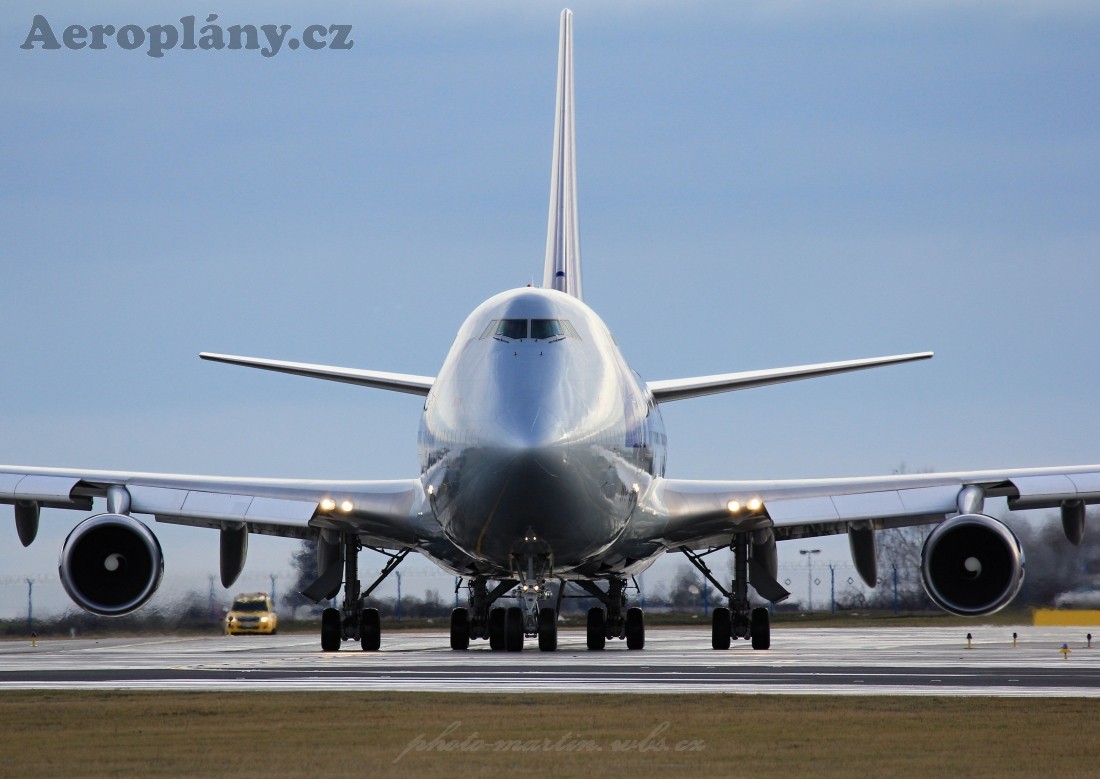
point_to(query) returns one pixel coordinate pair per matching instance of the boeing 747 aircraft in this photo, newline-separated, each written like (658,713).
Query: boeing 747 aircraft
(542,465)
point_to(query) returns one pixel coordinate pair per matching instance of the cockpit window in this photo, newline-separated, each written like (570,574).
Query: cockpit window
(546,328)
(538,329)
(512,328)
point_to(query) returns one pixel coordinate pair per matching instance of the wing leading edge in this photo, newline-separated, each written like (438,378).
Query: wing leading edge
(396,382)
(678,389)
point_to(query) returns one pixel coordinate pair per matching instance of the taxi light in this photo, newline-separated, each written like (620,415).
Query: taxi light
(755,504)
(734,506)
(328,504)
(347,506)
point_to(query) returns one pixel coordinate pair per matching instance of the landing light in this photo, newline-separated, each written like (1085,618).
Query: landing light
(328,504)
(755,504)
(734,506)
(347,506)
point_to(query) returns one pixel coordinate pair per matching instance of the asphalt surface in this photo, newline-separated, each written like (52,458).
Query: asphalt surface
(832,661)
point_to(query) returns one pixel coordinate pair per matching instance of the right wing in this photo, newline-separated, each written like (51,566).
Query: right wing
(391,514)
(397,382)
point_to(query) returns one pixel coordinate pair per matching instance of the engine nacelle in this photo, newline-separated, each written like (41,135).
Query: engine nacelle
(111,564)
(972,565)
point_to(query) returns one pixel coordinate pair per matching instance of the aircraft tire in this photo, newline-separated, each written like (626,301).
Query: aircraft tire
(548,630)
(330,630)
(635,629)
(597,628)
(460,629)
(761,629)
(370,630)
(513,629)
(496,629)
(720,629)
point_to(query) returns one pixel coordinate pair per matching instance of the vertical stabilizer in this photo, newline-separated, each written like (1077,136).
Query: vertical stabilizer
(563,242)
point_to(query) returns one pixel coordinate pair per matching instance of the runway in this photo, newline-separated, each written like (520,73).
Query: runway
(829,661)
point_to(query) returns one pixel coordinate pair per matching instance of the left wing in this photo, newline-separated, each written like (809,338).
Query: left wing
(971,564)
(678,389)
(708,513)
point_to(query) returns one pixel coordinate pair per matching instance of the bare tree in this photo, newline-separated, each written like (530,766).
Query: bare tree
(690,592)
(899,581)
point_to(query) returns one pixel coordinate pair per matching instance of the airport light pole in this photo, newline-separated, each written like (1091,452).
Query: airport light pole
(809,576)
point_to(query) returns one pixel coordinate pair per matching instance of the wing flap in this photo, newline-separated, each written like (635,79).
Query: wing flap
(1049,490)
(40,488)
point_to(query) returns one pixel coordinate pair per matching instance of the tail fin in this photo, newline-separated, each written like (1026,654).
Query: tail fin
(563,242)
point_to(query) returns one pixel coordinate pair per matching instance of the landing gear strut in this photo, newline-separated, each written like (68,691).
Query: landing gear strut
(354,622)
(739,619)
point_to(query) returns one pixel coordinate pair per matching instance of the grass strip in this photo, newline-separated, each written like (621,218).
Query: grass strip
(150,734)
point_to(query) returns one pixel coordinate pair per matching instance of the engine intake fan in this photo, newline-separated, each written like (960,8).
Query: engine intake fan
(972,565)
(111,564)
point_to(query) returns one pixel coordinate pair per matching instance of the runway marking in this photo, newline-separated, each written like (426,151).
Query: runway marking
(895,661)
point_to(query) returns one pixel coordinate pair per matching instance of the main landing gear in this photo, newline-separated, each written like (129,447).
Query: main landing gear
(506,627)
(352,621)
(616,621)
(739,619)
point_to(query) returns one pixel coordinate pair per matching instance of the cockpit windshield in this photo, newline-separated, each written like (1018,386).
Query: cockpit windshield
(546,328)
(512,328)
(537,329)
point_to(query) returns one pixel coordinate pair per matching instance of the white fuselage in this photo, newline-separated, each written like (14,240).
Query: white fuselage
(537,438)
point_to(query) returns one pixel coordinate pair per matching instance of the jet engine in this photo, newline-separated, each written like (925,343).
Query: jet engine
(111,564)
(972,565)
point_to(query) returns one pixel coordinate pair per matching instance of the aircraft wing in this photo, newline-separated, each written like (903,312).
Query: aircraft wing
(678,389)
(707,513)
(396,382)
(385,513)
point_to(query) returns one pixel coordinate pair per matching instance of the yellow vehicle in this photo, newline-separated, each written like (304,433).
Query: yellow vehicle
(251,612)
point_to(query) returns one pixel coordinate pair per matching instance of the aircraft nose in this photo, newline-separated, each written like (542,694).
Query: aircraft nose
(530,428)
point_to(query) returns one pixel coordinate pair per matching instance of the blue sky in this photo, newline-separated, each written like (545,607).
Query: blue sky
(761,184)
